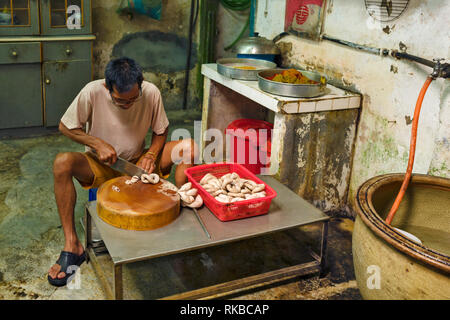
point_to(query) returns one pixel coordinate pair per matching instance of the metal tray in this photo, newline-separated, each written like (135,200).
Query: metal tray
(226,67)
(292,90)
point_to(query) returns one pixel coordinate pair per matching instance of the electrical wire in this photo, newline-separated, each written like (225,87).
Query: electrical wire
(197,7)
(207,20)
(192,22)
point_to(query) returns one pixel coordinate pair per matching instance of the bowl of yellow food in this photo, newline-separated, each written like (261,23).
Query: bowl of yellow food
(243,69)
(292,83)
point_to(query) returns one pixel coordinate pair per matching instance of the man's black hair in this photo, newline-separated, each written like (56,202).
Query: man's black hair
(124,73)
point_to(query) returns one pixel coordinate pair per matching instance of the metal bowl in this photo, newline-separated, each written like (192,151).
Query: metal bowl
(292,90)
(227,67)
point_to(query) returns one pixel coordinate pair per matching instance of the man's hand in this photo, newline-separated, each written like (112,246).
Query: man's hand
(147,163)
(106,153)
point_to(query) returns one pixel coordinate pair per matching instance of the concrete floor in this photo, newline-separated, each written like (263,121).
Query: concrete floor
(31,239)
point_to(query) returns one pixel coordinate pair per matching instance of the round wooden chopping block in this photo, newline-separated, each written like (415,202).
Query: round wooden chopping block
(137,206)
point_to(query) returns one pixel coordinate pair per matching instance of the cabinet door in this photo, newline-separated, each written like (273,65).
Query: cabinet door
(19,17)
(63,80)
(55,15)
(20,85)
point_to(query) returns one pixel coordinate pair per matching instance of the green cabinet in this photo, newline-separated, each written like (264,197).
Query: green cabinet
(65,72)
(19,17)
(20,80)
(45,59)
(65,17)
(45,17)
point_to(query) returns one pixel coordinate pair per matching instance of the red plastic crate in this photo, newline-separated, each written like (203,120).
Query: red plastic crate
(235,210)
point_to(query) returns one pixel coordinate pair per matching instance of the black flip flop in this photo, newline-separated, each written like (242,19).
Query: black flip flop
(65,260)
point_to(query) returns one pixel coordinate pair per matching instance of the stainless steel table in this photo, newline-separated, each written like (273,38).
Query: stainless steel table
(186,233)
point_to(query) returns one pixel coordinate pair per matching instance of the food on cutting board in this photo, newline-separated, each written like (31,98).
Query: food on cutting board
(291,76)
(152,178)
(232,188)
(228,188)
(188,195)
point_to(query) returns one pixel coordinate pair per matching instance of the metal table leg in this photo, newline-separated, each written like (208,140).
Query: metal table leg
(91,257)
(324,250)
(88,232)
(118,282)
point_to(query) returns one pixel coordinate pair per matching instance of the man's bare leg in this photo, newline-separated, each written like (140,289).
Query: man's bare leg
(65,167)
(184,152)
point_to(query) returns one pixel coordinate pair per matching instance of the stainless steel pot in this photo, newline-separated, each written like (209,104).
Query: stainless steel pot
(257,47)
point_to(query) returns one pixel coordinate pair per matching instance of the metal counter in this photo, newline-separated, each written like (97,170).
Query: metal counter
(287,210)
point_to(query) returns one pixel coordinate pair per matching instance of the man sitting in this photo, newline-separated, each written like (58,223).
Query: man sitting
(112,116)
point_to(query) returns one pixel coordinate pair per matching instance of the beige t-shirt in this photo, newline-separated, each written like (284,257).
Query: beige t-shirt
(94,111)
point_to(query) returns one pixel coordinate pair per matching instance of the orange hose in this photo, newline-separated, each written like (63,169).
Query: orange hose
(412,151)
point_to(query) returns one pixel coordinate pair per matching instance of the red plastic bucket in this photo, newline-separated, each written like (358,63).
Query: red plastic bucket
(250,143)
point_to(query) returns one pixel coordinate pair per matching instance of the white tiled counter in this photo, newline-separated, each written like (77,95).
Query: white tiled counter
(312,140)
(334,99)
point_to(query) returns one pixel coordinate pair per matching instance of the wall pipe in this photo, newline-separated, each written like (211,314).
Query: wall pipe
(444,68)
(376,51)
(439,70)
(404,55)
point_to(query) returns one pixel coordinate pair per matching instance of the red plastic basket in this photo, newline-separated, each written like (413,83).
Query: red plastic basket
(235,210)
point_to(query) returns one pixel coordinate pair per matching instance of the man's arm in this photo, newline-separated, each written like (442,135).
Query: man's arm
(105,152)
(148,161)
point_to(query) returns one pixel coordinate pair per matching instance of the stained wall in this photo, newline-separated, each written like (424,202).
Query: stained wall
(159,46)
(389,87)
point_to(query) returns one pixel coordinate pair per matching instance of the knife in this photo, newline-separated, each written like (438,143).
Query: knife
(122,166)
